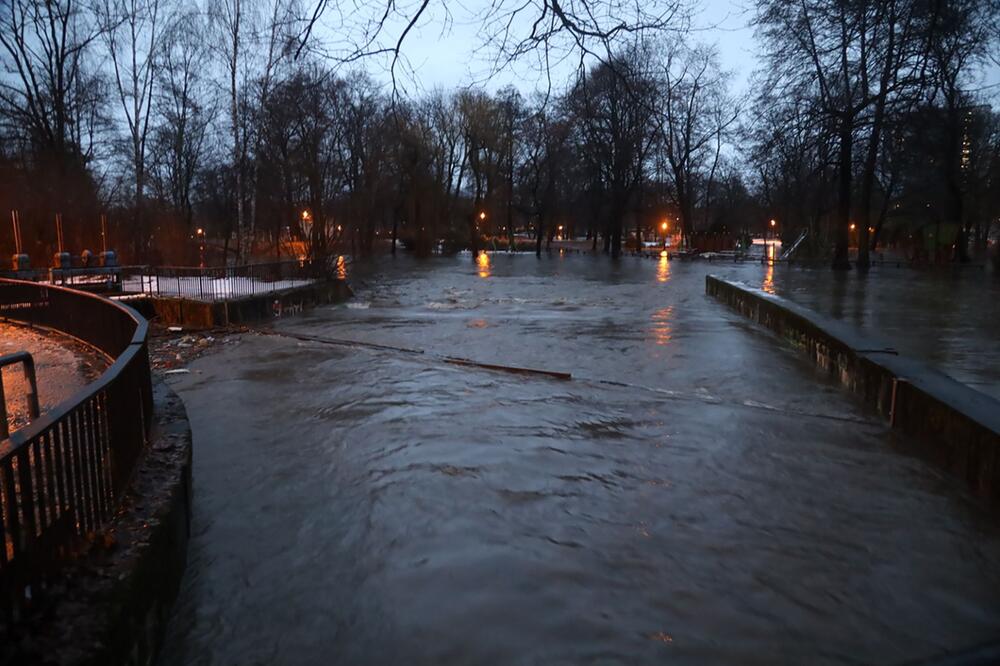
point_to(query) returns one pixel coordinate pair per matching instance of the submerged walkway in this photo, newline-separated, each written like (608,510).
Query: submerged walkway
(62,366)
(946,317)
(696,493)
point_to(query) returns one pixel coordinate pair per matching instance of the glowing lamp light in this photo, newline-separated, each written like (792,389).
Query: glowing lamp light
(483,262)
(853,226)
(664,225)
(774,223)
(482,215)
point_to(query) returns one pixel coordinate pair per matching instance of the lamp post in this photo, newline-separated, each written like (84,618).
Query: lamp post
(201,246)
(663,230)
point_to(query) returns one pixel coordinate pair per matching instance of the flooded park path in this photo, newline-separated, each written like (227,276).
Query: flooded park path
(946,318)
(696,493)
(63,366)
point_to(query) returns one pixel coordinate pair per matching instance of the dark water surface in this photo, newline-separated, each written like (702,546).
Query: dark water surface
(696,494)
(948,318)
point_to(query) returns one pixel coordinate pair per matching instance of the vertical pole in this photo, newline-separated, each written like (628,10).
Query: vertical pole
(16,221)
(4,432)
(28,365)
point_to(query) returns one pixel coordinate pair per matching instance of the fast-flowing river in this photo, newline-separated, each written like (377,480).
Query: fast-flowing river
(696,493)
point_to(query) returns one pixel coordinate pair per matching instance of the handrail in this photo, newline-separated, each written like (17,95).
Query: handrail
(795,246)
(63,475)
(28,365)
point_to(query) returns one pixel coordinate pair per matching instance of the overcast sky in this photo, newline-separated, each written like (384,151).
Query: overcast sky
(446,48)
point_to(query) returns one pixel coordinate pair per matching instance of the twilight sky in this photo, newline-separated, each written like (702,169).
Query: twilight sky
(446,48)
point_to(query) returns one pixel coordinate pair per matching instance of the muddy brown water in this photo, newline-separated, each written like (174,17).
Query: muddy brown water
(695,494)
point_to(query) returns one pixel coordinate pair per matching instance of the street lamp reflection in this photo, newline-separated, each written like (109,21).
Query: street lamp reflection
(483,261)
(768,284)
(663,329)
(663,268)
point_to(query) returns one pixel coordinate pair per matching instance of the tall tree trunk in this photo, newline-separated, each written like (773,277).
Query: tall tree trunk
(842,222)
(395,229)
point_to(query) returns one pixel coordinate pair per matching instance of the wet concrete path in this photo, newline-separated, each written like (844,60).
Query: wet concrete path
(717,503)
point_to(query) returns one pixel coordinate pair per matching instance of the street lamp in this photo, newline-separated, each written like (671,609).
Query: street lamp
(561,232)
(201,246)
(663,228)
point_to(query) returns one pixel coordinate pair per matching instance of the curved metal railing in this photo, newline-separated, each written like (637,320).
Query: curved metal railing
(63,476)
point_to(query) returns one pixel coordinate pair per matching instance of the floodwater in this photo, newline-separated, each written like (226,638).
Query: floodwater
(947,318)
(695,494)
(62,367)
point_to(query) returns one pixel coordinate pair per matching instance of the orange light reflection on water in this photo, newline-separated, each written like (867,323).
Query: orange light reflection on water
(663,328)
(341,268)
(768,284)
(483,261)
(663,268)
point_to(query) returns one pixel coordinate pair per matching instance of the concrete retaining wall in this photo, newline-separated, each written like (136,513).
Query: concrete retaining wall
(194,314)
(958,427)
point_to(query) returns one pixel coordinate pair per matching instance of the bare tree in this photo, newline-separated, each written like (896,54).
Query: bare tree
(132,34)
(185,110)
(232,24)
(546,138)
(611,109)
(694,113)
(958,36)
(821,51)
(549,31)
(50,99)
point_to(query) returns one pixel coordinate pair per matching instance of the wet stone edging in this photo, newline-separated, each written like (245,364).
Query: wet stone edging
(958,426)
(111,606)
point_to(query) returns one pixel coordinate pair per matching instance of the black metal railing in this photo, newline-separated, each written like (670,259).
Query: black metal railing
(27,363)
(63,476)
(216,283)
